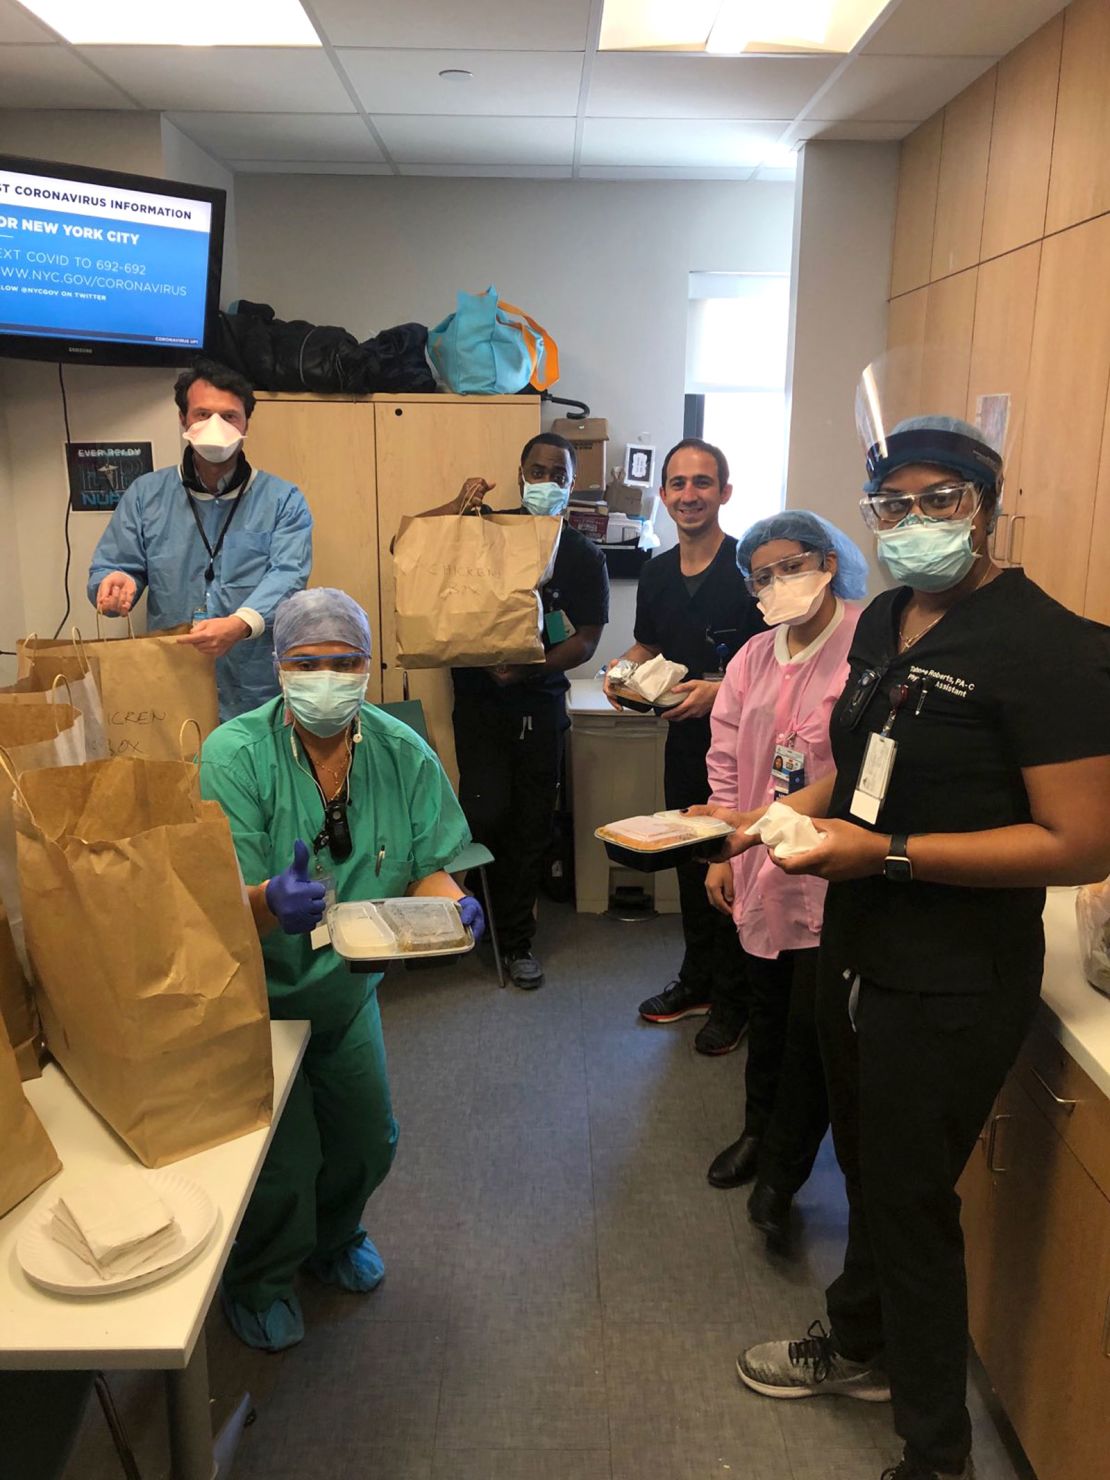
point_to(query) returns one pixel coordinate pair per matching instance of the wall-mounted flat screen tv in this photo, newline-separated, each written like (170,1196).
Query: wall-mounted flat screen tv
(103,268)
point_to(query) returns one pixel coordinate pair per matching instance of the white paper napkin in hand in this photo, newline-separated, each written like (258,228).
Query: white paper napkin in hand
(656,676)
(785,831)
(115,1224)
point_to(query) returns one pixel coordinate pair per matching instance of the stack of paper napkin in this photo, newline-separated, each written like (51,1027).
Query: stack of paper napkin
(117,1224)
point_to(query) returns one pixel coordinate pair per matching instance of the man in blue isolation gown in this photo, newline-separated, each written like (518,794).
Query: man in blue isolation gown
(212,541)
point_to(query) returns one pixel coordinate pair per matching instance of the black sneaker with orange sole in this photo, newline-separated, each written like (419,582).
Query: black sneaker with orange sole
(674,1002)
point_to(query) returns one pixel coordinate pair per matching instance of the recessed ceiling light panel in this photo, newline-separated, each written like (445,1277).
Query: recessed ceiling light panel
(737,27)
(177,22)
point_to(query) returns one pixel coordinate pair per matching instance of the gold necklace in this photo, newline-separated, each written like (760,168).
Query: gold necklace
(905,643)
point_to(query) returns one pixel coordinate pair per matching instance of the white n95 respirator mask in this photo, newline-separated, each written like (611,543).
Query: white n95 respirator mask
(792,600)
(214,439)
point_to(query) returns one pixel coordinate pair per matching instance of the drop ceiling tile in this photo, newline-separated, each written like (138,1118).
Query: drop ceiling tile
(435,140)
(856,132)
(956,28)
(52,77)
(506,84)
(492,171)
(728,144)
(500,25)
(304,136)
(305,167)
(623,85)
(16,25)
(262,79)
(894,89)
(663,172)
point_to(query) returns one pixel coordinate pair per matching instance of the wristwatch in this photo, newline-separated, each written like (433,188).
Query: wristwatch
(896,865)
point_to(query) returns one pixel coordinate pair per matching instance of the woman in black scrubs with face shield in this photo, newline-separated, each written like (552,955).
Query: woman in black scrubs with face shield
(972,752)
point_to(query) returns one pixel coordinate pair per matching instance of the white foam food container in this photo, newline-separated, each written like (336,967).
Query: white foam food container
(397,929)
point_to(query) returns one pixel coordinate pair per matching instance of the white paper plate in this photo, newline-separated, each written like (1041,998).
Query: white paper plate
(56,1268)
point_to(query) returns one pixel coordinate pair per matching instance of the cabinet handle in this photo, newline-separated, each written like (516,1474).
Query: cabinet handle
(1067,1106)
(991,1142)
(1011,558)
(1106,1330)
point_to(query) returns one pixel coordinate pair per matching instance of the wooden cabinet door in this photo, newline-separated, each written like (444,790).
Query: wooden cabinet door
(918,172)
(426,448)
(1069,371)
(326,447)
(977,1195)
(1021,141)
(962,178)
(1043,1333)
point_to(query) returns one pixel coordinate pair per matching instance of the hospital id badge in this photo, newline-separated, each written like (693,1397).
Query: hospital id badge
(874,777)
(558,627)
(788,771)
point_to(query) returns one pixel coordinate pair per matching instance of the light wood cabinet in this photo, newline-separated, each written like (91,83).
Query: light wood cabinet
(1097,601)
(1021,142)
(1068,377)
(1079,185)
(363,463)
(1036,1222)
(916,210)
(962,177)
(946,361)
(1005,296)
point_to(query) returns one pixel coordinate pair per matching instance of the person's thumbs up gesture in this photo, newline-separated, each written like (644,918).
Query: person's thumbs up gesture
(295,900)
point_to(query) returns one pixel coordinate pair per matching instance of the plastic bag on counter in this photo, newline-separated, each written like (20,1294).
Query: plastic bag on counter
(1092,910)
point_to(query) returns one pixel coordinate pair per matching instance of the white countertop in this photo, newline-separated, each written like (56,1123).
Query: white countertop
(1071,1008)
(153,1327)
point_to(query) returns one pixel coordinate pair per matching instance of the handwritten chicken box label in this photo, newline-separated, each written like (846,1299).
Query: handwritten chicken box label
(101,472)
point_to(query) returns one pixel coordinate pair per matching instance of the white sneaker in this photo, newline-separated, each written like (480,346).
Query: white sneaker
(808,1368)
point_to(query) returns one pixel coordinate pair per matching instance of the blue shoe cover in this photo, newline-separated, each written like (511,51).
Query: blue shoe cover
(270,1330)
(357,1268)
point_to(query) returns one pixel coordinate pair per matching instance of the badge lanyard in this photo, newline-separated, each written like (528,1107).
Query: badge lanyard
(878,759)
(788,770)
(213,552)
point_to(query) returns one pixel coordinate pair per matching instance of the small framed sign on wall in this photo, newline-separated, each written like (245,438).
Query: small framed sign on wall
(639,465)
(100,472)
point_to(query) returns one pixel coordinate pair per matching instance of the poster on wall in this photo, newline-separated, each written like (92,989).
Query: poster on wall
(100,472)
(639,465)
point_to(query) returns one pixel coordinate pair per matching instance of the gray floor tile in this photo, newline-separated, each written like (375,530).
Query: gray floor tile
(521,1464)
(730,1459)
(570,1418)
(504,1350)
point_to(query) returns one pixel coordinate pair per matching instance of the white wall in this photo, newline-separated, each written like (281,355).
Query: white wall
(843,232)
(183,160)
(603,266)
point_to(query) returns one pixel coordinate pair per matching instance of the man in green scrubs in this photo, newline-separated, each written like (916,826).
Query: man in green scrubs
(319,786)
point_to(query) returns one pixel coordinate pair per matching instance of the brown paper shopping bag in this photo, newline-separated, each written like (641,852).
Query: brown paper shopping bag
(467,589)
(149,686)
(144,954)
(18,1014)
(32,736)
(28,1158)
(44,665)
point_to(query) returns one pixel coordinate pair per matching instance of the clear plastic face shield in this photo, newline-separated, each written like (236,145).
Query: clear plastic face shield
(911,413)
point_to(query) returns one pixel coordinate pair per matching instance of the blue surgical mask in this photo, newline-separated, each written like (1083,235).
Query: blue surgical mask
(545,498)
(324,702)
(927,554)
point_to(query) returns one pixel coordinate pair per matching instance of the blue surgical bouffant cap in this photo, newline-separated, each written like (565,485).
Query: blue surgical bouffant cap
(943,441)
(320,615)
(812,533)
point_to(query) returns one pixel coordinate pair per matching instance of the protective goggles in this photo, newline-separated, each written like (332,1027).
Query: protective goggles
(793,565)
(326,663)
(942,501)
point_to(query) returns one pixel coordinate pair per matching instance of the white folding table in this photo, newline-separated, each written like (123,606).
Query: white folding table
(160,1327)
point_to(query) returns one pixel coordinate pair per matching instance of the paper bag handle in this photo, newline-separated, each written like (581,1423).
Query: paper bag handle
(8,765)
(61,678)
(79,643)
(100,635)
(188,759)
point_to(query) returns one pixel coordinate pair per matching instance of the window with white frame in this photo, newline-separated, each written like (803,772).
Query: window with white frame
(736,383)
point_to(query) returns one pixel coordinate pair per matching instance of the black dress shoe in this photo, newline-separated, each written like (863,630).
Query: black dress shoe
(769,1210)
(736,1164)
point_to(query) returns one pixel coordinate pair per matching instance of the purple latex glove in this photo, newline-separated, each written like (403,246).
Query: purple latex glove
(296,900)
(471,912)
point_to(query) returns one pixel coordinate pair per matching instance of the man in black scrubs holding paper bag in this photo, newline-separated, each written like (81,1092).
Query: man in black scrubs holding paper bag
(693,607)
